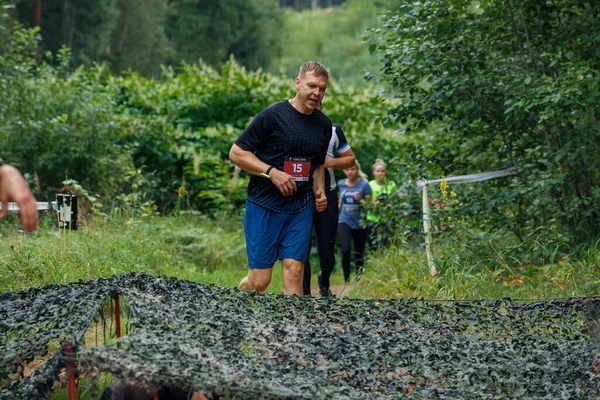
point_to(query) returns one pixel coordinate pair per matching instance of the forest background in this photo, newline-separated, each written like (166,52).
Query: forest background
(137,104)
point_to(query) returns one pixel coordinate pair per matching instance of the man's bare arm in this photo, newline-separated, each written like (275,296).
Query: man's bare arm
(14,188)
(319,188)
(319,179)
(343,161)
(247,161)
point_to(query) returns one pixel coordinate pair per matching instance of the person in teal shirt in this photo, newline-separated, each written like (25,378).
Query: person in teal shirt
(381,189)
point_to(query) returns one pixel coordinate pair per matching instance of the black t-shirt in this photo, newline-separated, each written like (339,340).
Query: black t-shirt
(278,132)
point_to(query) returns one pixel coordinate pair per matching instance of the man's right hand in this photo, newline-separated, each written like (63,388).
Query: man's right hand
(284,182)
(320,201)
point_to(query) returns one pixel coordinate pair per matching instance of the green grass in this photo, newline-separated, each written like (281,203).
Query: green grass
(196,248)
(212,251)
(480,267)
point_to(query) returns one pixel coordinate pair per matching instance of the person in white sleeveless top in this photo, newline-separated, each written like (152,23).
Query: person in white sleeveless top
(325,222)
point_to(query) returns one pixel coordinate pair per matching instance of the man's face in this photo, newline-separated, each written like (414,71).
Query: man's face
(311,90)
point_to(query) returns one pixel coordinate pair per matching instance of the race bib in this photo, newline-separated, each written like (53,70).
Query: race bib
(349,197)
(298,167)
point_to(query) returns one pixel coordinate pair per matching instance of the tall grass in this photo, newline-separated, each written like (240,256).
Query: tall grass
(195,248)
(212,251)
(484,267)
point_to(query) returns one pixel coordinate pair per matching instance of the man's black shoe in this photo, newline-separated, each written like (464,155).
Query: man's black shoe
(324,290)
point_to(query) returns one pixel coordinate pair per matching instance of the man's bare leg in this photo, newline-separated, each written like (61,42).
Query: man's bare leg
(293,272)
(257,279)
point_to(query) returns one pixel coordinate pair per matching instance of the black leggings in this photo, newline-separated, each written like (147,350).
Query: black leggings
(325,224)
(360,237)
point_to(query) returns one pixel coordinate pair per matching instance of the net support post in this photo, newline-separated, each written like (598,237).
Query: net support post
(117,318)
(427,230)
(70,369)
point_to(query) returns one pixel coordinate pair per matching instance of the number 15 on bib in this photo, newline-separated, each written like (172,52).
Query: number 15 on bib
(298,167)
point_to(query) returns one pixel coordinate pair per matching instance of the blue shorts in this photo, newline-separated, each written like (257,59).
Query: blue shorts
(271,236)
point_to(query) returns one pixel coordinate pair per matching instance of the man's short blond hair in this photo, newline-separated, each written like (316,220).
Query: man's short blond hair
(315,67)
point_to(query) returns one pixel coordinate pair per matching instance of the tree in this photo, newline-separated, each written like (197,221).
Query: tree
(300,5)
(139,40)
(336,40)
(213,30)
(85,26)
(6,22)
(487,85)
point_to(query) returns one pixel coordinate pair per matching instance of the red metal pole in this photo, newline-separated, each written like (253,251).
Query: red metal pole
(117,318)
(70,367)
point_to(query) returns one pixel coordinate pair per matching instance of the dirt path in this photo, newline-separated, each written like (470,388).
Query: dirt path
(337,290)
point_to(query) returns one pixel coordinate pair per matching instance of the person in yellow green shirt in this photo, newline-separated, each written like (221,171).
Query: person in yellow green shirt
(381,189)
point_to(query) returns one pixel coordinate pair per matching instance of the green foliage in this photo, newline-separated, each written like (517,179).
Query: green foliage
(84,26)
(180,130)
(307,4)
(139,40)
(214,30)
(335,39)
(487,85)
(143,35)
(146,145)
(57,124)
(6,21)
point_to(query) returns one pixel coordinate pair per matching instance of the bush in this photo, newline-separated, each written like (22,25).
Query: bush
(58,124)
(145,144)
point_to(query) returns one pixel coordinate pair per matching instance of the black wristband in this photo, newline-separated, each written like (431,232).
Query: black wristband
(269,170)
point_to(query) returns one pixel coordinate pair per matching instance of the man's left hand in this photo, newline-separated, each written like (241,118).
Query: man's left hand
(321,201)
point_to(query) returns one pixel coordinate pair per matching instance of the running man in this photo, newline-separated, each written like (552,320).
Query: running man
(284,149)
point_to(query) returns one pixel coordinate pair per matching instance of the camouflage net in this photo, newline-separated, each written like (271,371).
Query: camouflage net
(221,341)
